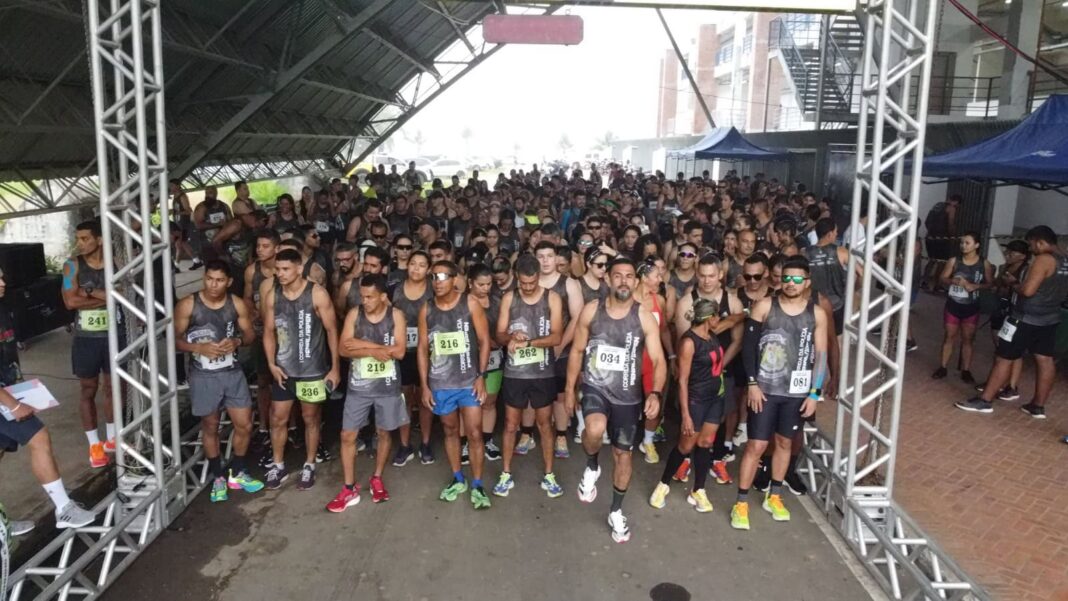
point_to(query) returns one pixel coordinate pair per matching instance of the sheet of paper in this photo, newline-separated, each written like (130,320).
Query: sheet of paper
(32,393)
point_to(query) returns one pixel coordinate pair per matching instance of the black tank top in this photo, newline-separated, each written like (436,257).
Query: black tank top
(679,284)
(411,309)
(787,351)
(91,323)
(535,321)
(368,376)
(1044,307)
(591,294)
(212,325)
(614,356)
(282,224)
(257,280)
(239,248)
(301,338)
(975,274)
(560,287)
(454,353)
(706,369)
(828,273)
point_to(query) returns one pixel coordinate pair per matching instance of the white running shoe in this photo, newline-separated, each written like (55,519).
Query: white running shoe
(74,516)
(618,523)
(587,489)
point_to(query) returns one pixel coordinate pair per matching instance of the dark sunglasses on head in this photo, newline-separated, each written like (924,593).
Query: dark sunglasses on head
(749,277)
(796,279)
(441,277)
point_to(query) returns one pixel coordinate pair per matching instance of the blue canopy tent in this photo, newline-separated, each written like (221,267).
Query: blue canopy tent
(725,144)
(1032,154)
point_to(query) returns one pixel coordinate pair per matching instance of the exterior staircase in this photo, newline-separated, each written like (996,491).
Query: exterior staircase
(798,39)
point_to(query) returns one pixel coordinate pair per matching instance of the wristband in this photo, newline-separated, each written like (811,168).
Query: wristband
(670,357)
(659,395)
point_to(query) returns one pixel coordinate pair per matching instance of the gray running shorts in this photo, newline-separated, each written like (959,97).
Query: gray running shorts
(391,412)
(211,392)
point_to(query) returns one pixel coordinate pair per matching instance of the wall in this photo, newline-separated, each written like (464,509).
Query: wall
(1042,208)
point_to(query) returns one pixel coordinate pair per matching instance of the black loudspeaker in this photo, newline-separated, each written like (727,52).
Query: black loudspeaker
(23,263)
(38,308)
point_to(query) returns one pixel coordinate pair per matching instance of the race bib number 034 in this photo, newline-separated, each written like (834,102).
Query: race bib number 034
(311,391)
(449,343)
(609,358)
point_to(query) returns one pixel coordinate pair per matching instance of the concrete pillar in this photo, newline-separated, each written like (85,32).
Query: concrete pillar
(1003,219)
(1024,21)
(763,94)
(668,98)
(955,35)
(704,73)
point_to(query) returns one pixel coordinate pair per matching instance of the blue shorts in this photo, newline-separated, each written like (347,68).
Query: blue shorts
(450,399)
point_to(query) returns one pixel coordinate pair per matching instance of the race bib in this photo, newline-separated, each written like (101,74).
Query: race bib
(220,362)
(609,358)
(370,368)
(800,381)
(93,320)
(216,218)
(412,338)
(958,292)
(528,355)
(322,226)
(495,359)
(311,391)
(1007,331)
(449,343)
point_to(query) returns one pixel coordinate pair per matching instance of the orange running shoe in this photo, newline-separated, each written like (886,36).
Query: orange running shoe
(683,473)
(719,470)
(97,456)
(109,446)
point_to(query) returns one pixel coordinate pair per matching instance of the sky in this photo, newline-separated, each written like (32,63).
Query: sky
(531,95)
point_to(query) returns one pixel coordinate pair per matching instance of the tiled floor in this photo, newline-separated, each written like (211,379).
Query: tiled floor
(991,489)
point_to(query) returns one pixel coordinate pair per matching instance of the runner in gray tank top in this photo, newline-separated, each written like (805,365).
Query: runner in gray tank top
(479,285)
(84,291)
(298,320)
(373,340)
(453,352)
(255,275)
(827,262)
(1033,325)
(409,296)
(529,326)
(785,355)
(211,324)
(592,282)
(609,340)
(965,276)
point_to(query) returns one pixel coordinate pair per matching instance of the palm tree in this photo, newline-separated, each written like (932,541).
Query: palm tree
(515,153)
(418,140)
(466,135)
(565,145)
(605,142)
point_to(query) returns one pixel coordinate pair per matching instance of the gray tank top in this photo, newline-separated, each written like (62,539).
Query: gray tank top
(591,294)
(560,287)
(1044,308)
(257,280)
(535,321)
(787,352)
(679,285)
(828,274)
(454,353)
(301,338)
(368,376)
(411,309)
(216,216)
(282,224)
(239,248)
(975,274)
(493,311)
(91,323)
(614,356)
(734,271)
(353,298)
(212,325)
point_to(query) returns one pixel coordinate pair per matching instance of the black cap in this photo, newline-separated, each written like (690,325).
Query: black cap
(1018,246)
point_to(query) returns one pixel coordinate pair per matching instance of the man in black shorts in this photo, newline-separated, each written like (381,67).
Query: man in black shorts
(785,354)
(607,352)
(530,324)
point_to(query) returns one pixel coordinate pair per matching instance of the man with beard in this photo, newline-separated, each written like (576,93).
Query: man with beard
(208,218)
(255,276)
(609,340)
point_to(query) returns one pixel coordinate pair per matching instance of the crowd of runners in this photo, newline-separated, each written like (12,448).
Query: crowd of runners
(577,307)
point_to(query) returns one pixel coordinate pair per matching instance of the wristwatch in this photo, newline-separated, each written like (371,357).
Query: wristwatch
(659,395)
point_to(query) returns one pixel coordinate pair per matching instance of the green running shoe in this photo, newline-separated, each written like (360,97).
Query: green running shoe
(218,490)
(740,516)
(243,481)
(773,505)
(479,500)
(453,490)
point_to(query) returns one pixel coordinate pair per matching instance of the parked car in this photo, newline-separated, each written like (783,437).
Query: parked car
(446,168)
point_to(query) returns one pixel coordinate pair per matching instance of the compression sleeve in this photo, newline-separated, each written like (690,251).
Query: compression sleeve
(751,347)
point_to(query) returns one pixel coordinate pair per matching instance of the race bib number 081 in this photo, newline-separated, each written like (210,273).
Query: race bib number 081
(800,381)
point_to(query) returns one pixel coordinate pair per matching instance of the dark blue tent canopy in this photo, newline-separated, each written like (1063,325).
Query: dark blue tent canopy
(1035,152)
(727,143)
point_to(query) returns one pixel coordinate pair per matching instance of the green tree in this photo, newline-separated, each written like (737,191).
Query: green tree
(605,142)
(565,145)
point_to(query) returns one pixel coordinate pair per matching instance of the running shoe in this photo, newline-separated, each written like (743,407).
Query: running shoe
(773,505)
(218,490)
(504,485)
(741,435)
(344,499)
(762,481)
(700,501)
(465,455)
(109,446)
(525,445)
(659,435)
(379,493)
(97,456)
(243,481)
(322,454)
(307,477)
(74,515)
(276,475)
(975,405)
(618,523)
(729,455)
(740,516)
(295,439)
(939,373)
(683,473)
(493,452)
(361,445)
(910,345)
(403,456)
(426,455)
(479,500)
(1035,411)
(587,489)
(796,483)
(560,450)
(20,527)
(659,497)
(260,440)
(1009,394)
(453,491)
(551,486)
(967,377)
(649,450)
(719,471)
(267,459)
(578,436)
(197,264)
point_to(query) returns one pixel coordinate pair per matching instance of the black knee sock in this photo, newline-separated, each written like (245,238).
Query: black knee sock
(561,433)
(237,464)
(617,498)
(463,440)
(702,460)
(591,461)
(674,460)
(528,430)
(719,445)
(215,467)
(487,437)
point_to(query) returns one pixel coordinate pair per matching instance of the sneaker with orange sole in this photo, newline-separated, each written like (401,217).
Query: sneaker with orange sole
(719,471)
(683,473)
(109,446)
(97,456)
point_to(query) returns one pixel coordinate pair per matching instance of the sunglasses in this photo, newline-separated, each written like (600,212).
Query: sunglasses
(687,255)
(600,265)
(404,247)
(441,277)
(749,277)
(585,242)
(794,279)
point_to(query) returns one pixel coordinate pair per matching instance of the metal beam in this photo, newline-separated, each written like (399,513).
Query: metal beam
(351,26)
(452,23)
(401,49)
(686,70)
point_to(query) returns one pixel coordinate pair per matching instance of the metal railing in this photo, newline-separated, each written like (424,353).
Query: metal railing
(798,43)
(1043,84)
(963,96)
